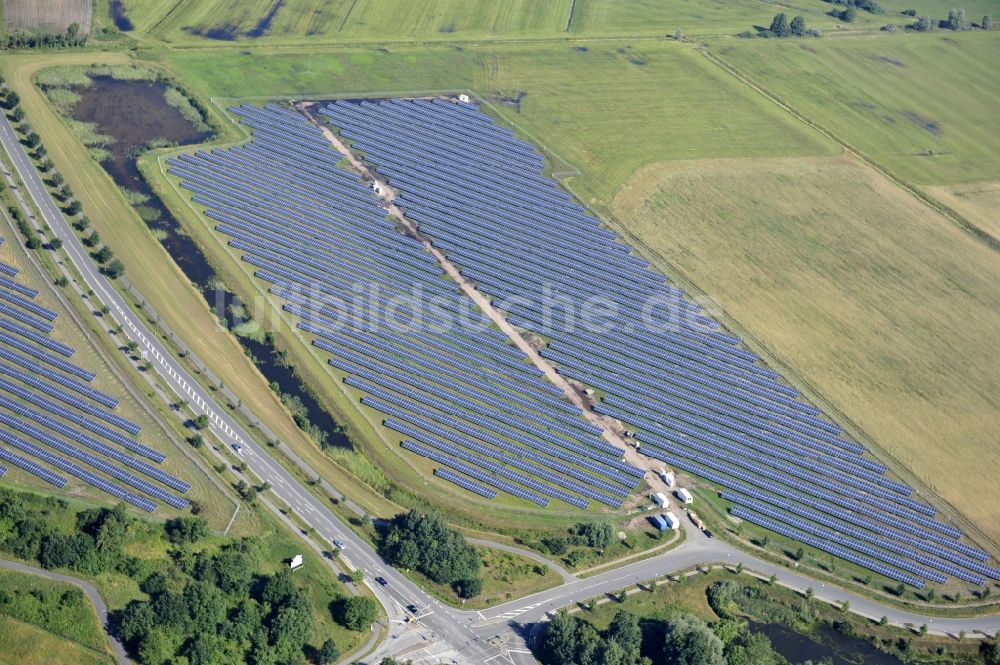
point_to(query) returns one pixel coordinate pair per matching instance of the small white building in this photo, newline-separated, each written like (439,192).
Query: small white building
(464,99)
(661,499)
(672,521)
(685,496)
(296,562)
(667,477)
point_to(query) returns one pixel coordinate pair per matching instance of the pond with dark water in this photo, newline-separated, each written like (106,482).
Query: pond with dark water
(135,114)
(832,645)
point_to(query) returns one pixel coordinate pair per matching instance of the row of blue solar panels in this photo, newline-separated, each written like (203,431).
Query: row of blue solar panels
(470,436)
(310,230)
(26,380)
(826,546)
(846,535)
(32,467)
(473,472)
(877,521)
(488,463)
(465,483)
(482,197)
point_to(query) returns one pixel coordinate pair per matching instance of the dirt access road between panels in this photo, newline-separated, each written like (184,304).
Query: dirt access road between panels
(388,195)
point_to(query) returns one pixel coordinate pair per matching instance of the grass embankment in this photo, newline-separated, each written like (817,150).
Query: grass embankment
(881,306)
(922,105)
(58,609)
(24,644)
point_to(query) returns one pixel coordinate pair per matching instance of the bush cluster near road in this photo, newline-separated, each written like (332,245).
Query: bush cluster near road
(424,542)
(680,638)
(200,598)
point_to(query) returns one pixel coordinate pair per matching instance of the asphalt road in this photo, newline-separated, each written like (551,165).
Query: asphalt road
(88,589)
(438,633)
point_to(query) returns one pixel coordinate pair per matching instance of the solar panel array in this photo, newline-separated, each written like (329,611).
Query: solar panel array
(697,399)
(472,402)
(53,423)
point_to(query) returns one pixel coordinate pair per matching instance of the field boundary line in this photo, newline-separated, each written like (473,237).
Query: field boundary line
(347,15)
(957,218)
(569,19)
(557,37)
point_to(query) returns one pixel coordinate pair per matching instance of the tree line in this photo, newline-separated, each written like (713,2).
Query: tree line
(60,189)
(956,21)
(22,39)
(782,28)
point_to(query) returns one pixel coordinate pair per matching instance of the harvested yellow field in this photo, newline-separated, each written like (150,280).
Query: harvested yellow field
(882,306)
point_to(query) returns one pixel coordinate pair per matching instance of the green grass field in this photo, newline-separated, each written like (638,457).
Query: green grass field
(639,102)
(880,305)
(922,105)
(24,644)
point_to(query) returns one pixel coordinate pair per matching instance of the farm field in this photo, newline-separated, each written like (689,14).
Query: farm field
(640,102)
(54,16)
(922,105)
(823,258)
(978,202)
(310,22)
(697,18)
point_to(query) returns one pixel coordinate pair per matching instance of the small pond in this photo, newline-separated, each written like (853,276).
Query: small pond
(135,114)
